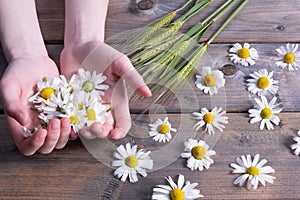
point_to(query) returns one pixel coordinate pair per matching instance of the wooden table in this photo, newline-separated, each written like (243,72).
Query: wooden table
(73,173)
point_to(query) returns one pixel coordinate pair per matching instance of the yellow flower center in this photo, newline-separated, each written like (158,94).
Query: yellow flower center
(74,119)
(289,58)
(209,80)
(177,194)
(47,92)
(80,106)
(163,128)
(88,86)
(209,118)
(131,161)
(198,152)
(254,171)
(266,113)
(91,114)
(244,53)
(263,82)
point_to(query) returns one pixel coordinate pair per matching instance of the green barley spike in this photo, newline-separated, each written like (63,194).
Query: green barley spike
(148,53)
(170,30)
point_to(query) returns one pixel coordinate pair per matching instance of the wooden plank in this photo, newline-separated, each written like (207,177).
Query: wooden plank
(72,173)
(255,23)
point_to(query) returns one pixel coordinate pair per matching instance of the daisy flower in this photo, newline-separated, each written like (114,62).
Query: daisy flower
(296,146)
(91,83)
(95,112)
(262,82)
(177,191)
(198,154)
(77,119)
(243,55)
(252,170)
(265,112)
(288,56)
(212,119)
(210,80)
(45,89)
(130,162)
(161,130)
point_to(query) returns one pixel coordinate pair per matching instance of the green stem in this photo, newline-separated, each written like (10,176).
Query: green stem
(213,37)
(185,5)
(194,10)
(211,16)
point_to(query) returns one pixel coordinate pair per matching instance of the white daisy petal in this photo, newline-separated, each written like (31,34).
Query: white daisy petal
(243,54)
(161,130)
(288,56)
(210,80)
(197,154)
(254,173)
(265,112)
(187,191)
(131,162)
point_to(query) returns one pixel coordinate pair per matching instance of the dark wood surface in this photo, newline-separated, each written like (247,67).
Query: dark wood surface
(73,173)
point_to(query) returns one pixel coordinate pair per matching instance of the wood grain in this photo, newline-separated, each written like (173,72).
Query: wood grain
(260,21)
(72,173)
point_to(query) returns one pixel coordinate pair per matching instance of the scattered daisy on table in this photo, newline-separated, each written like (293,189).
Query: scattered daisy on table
(296,146)
(177,191)
(198,154)
(253,171)
(262,82)
(265,113)
(288,57)
(131,162)
(161,130)
(210,80)
(210,119)
(243,55)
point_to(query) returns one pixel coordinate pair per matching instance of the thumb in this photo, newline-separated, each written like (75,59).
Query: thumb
(12,104)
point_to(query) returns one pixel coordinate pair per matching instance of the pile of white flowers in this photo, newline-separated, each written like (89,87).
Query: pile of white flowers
(78,99)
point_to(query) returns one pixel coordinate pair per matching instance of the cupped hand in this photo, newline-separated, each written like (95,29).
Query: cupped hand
(16,86)
(118,71)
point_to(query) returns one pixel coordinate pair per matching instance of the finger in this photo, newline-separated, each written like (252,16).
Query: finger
(124,69)
(53,134)
(11,101)
(121,111)
(32,144)
(65,129)
(27,146)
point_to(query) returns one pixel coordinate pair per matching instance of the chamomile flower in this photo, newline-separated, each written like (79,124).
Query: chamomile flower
(161,130)
(77,119)
(210,119)
(288,56)
(253,170)
(177,191)
(131,162)
(198,154)
(210,80)
(96,112)
(296,146)
(91,83)
(243,55)
(262,82)
(45,89)
(265,112)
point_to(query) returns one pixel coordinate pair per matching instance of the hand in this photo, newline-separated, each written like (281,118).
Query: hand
(17,85)
(119,121)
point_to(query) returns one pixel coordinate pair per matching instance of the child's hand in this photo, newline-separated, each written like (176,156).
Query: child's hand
(117,70)
(17,85)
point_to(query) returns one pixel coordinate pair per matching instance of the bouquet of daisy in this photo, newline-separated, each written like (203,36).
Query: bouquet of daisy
(78,99)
